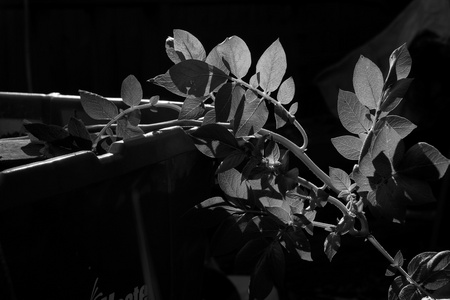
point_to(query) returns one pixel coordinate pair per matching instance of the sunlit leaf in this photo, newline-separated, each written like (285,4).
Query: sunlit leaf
(173,55)
(236,53)
(401,125)
(193,108)
(253,118)
(332,245)
(354,116)
(348,146)
(209,118)
(423,161)
(410,292)
(187,44)
(395,94)
(280,213)
(286,91)
(271,67)
(339,179)
(214,58)
(125,130)
(131,91)
(417,267)
(293,109)
(368,82)
(97,107)
(398,259)
(232,184)
(399,65)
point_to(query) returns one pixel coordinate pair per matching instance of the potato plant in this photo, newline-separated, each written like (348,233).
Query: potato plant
(266,210)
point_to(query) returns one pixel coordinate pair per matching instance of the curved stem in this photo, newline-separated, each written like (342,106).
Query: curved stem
(276,103)
(383,251)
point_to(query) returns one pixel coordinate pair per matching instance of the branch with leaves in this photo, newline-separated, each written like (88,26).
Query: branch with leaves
(265,206)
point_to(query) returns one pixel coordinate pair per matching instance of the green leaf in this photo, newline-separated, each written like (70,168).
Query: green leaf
(394,94)
(209,118)
(417,267)
(293,109)
(423,161)
(47,133)
(271,67)
(232,184)
(233,160)
(410,292)
(281,116)
(97,107)
(368,82)
(236,53)
(215,59)
(222,104)
(188,45)
(332,245)
(401,125)
(398,259)
(348,146)
(214,140)
(173,55)
(399,65)
(165,81)
(354,116)
(340,179)
(283,215)
(125,130)
(394,289)
(440,261)
(79,132)
(196,78)
(131,91)
(134,117)
(253,118)
(193,108)
(286,91)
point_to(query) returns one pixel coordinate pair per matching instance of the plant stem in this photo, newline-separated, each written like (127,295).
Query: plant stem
(383,251)
(276,103)
(129,110)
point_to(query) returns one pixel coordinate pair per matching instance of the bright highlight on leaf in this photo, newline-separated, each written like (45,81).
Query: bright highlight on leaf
(131,91)
(368,83)
(271,67)
(237,55)
(98,107)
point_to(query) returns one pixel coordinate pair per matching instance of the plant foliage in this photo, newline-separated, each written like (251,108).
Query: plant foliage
(266,212)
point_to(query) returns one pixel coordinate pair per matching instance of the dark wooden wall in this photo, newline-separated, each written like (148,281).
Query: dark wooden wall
(93,45)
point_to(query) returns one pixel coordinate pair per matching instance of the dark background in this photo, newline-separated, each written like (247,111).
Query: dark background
(93,45)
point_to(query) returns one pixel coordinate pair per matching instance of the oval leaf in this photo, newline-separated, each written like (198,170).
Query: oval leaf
(286,91)
(354,116)
(368,82)
(131,91)
(165,81)
(187,44)
(271,67)
(401,125)
(193,108)
(196,78)
(97,107)
(253,118)
(348,146)
(236,53)
(230,182)
(395,94)
(423,161)
(340,179)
